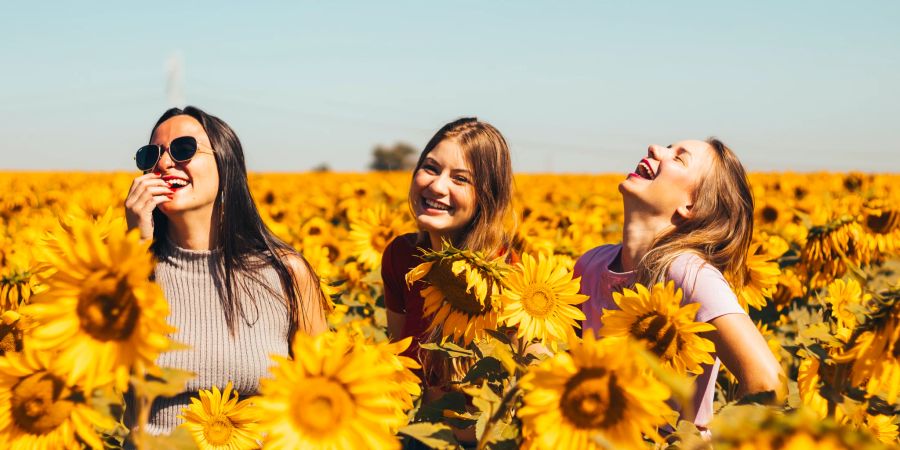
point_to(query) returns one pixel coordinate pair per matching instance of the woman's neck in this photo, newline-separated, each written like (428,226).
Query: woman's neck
(192,232)
(638,233)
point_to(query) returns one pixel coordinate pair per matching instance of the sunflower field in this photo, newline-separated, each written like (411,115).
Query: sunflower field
(82,323)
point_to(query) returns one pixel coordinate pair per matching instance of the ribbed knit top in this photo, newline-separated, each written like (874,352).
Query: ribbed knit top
(191,281)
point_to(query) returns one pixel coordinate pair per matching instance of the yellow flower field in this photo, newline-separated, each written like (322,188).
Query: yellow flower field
(80,322)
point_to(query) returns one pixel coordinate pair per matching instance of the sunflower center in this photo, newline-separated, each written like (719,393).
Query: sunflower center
(538,300)
(40,403)
(883,222)
(218,430)
(659,332)
(107,308)
(10,338)
(322,407)
(592,398)
(453,287)
(380,238)
(769,214)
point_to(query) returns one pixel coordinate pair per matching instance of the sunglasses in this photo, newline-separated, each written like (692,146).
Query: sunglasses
(181,150)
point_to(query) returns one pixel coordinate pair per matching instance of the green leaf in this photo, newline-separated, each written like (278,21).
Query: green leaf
(501,352)
(486,400)
(499,335)
(451,349)
(435,435)
(452,401)
(489,369)
(170,384)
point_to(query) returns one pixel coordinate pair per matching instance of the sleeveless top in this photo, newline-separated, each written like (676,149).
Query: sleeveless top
(190,280)
(700,282)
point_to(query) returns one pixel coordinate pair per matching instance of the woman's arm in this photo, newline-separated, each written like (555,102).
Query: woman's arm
(745,353)
(312,300)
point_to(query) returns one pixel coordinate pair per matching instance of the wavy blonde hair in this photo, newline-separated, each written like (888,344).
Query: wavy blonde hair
(720,226)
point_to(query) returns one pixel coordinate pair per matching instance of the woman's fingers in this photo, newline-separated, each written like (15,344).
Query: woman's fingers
(146,192)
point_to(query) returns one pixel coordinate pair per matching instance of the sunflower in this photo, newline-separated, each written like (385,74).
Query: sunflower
(882,225)
(657,318)
(100,309)
(876,351)
(462,293)
(218,421)
(762,278)
(372,231)
(339,393)
(40,410)
(842,296)
(830,247)
(538,299)
(599,392)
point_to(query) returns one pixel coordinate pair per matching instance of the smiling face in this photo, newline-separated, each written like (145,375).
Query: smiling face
(442,194)
(664,182)
(196,181)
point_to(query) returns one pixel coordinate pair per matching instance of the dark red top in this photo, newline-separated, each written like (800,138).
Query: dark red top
(400,256)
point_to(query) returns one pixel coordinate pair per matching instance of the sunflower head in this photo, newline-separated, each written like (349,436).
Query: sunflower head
(539,300)
(40,409)
(599,392)
(99,307)
(655,317)
(218,420)
(372,231)
(344,392)
(463,292)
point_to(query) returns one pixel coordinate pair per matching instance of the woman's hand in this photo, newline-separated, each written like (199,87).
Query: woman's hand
(147,191)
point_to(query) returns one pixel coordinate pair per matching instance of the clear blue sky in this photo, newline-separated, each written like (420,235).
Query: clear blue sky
(574,86)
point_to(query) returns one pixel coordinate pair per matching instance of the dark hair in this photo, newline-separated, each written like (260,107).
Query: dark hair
(245,241)
(487,153)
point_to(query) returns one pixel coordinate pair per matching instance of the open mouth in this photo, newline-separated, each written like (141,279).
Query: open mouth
(176,183)
(645,170)
(434,204)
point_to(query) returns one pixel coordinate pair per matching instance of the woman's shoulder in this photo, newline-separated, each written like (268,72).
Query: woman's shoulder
(701,282)
(596,258)
(402,252)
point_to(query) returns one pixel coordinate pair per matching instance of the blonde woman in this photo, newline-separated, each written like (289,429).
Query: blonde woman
(688,217)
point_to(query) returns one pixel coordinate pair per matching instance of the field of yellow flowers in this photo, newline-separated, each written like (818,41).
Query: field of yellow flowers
(82,322)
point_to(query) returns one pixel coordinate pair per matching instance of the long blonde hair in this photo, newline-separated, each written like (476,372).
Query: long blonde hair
(720,226)
(487,154)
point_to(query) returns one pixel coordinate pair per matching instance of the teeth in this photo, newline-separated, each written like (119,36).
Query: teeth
(177,182)
(645,170)
(433,204)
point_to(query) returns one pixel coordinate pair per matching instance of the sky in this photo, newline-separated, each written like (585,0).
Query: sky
(578,86)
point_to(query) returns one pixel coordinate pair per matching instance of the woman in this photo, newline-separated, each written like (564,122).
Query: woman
(237,293)
(461,192)
(688,213)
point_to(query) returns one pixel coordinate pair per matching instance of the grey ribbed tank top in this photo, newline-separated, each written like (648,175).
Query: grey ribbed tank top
(189,279)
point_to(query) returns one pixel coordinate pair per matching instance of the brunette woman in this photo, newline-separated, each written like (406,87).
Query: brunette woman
(237,293)
(688,213)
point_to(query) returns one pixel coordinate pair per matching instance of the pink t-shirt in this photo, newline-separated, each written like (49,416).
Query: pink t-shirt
(701,283)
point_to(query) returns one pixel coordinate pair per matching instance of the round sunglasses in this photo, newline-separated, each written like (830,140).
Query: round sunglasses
(181,149)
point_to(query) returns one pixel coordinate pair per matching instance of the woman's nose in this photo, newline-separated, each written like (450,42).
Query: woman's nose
(438,185)
(656,151)
(165,161)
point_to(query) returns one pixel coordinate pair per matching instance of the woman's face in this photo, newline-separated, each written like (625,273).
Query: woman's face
(442,193)
(663,183)
(196,181)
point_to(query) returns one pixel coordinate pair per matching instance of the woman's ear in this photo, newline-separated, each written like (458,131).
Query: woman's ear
(685,212)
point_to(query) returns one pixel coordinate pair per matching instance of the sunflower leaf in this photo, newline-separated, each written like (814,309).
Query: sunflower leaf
(451,349)
(179,439)
(488,368)
(170,384)
(434,435)
(499,335)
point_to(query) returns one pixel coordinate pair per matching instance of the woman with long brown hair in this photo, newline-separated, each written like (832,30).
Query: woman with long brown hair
(236,292)
(688,218)
(461,192)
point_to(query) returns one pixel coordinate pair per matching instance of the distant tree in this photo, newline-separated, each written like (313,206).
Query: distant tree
(400,156)
(323,167)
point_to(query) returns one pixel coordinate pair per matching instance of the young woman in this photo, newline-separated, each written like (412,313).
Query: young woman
(461,191)
(237,293)
(688,213)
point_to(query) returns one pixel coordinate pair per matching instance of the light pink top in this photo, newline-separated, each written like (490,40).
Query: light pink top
(701,283)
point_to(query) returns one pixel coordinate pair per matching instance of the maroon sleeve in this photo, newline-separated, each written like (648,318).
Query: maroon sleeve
(393,276)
